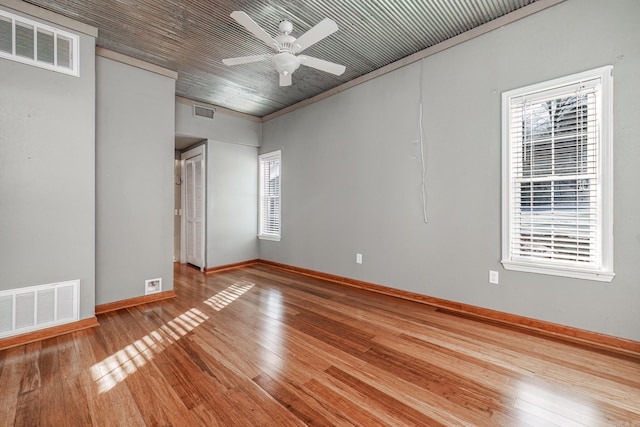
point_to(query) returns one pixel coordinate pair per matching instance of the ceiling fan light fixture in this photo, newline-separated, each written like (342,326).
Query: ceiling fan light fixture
(285,63)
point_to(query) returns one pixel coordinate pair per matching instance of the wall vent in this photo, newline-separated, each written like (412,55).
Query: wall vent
(205,112)
(37,307)
(152,286)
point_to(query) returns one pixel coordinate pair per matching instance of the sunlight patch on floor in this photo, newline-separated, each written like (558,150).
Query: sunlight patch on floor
(116,368)
(229,295)
(272,332)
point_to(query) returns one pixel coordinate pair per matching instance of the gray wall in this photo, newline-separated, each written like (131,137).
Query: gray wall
(134,180)
(351,182)
(232,182)
(223,127)
(47,169)
(232,194)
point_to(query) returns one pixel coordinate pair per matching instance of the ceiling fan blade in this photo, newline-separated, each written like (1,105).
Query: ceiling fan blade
(245,59)
(285,79)
(322,65)
(318,32)
(251,26)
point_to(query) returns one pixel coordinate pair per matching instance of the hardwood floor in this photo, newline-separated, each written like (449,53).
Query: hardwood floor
(257,346)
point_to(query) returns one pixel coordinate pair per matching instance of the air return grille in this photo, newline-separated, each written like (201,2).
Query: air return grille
(38,307)
(205,112)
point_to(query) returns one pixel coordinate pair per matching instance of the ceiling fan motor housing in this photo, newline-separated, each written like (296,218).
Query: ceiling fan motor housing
(285,43)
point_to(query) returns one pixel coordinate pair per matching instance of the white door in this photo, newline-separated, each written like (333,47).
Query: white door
(194,206)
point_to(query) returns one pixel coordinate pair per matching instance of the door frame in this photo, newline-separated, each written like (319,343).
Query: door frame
(193,152)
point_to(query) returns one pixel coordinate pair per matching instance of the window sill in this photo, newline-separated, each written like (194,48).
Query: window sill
(599,276)
(269,237)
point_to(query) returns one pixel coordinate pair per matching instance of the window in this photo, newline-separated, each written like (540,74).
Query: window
(269,214)
(30,42)
(557,177)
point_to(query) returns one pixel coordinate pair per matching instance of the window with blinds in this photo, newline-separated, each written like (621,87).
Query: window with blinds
(557,177)
(269,194)
(33,43)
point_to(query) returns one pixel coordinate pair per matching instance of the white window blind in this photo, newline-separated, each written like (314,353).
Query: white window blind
(270,200)
(30,42)
(556,146)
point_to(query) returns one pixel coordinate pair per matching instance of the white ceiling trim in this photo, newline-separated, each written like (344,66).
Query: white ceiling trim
(109,54)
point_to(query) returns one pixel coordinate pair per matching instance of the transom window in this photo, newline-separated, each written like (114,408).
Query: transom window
(30,42)
(557,180)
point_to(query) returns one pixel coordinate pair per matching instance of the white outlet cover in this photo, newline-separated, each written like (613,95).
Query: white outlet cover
(494,277)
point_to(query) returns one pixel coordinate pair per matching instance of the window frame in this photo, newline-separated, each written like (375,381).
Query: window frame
(271,232)
(602,268)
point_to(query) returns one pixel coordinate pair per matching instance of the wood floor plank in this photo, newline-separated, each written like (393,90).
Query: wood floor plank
(76,406)
(436,407)
(557,373)
(110,403)
(258,345)
(52,395)
(435,395)
(216,407)
(10,377)
(259,408)
(356,414)
(398,410)
(297,401)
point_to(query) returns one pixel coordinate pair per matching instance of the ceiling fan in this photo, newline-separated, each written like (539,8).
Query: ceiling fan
(287,59)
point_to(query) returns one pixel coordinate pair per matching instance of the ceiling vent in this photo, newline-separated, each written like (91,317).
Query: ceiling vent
(204,112)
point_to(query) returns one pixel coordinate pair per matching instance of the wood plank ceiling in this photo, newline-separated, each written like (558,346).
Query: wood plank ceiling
(193,36)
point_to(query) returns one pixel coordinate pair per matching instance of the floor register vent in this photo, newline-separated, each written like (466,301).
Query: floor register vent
(37,307)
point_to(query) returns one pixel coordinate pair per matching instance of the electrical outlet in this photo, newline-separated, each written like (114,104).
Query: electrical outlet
(152,286)
(493,277)
(358,258)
